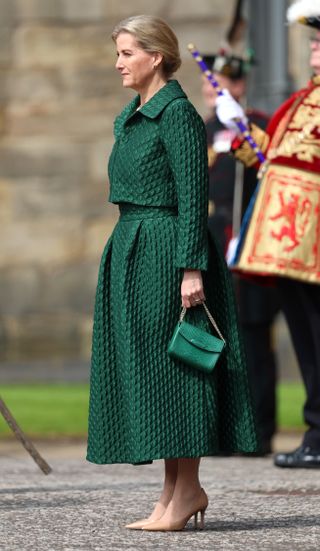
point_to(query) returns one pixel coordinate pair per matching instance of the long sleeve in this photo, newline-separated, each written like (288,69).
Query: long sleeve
(184,137)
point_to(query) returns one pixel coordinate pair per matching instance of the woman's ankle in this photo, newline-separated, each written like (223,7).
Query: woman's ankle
(167,493)
(187,492)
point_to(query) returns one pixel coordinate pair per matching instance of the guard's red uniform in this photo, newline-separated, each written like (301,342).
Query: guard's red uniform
(283,237)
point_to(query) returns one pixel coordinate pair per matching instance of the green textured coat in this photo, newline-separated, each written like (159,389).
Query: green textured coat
(143,405)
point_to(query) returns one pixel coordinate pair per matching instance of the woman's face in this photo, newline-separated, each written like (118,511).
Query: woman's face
(136,66)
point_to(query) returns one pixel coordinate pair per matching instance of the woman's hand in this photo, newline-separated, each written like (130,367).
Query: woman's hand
(192,288)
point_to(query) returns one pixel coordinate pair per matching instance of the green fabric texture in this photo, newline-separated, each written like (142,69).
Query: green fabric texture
(160,159)
(143,404)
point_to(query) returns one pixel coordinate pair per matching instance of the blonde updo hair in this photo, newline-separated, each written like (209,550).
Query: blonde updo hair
(153,35)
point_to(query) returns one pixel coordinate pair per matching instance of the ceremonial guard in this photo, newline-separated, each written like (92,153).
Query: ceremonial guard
(230,190)
(282,238)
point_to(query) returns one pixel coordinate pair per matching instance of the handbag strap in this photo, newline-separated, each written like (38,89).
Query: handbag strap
(183,313)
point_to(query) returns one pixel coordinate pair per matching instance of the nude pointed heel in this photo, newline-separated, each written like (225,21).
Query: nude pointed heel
(164,526)
(139,524)
(144,522)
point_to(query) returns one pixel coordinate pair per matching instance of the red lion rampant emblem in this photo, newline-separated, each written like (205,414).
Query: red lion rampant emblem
(296,213)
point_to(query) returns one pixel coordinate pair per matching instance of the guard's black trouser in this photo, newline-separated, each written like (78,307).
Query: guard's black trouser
(258,306)
(301,305)
(262,371)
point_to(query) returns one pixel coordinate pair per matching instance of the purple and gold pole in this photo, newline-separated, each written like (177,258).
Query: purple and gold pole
(242,127)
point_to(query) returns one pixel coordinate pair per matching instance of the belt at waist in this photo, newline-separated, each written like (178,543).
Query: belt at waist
(130,211)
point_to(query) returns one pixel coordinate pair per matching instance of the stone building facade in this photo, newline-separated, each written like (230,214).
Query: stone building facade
(59,95)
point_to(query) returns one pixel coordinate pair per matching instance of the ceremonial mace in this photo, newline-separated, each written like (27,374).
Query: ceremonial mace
(26,442)
(242,127)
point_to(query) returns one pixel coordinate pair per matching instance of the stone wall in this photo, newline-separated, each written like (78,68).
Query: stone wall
(59,95)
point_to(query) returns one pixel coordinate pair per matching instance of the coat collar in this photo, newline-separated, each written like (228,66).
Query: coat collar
(172,90)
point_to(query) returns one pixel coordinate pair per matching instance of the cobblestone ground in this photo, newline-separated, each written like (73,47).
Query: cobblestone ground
(79,506)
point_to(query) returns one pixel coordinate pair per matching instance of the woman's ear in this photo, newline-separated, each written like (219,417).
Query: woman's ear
(157,58)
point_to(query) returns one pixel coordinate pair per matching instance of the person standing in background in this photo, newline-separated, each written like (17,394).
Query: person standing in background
(282,237)
(230,190)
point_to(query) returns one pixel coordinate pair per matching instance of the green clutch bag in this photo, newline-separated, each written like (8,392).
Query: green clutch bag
(196,347)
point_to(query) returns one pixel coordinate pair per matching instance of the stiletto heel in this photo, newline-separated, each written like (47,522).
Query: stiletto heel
(202,513)
(200,525)
(196,520)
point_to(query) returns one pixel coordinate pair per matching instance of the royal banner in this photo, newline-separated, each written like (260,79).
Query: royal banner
(283,236)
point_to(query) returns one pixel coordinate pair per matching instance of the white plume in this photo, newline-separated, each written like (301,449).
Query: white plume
(303,8)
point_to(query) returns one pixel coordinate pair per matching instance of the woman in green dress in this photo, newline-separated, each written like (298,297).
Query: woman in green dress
(144,405)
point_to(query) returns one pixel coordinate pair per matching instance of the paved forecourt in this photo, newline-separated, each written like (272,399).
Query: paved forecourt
(253,505)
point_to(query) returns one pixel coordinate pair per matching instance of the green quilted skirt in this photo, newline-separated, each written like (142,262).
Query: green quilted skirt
(143,405)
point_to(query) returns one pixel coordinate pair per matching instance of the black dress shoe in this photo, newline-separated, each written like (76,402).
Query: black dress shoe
(303,457)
